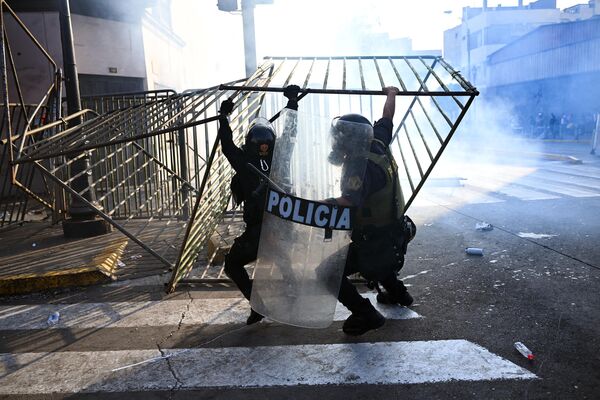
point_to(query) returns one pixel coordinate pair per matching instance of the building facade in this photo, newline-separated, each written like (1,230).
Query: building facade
(118,47)
(485,30)
(552,71)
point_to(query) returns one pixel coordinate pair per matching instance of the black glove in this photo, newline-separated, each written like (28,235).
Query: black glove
(226,107)
(291,92)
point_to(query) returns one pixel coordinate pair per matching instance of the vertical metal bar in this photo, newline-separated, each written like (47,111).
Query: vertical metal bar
(287,81)
(379,73)
(421,134)
(402,85)
(362,78)
(412,148)
(430,121)
(183,172)
(440,151)
(309,73)
(5,98)
(410,181)
(326,74)
(344,75)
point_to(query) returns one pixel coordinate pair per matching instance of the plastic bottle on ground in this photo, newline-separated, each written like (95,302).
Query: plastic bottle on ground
(53,318)
(525,352)
(474,251)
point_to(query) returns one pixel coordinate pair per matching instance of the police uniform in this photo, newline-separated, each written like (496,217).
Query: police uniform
(247,188)
(379,203)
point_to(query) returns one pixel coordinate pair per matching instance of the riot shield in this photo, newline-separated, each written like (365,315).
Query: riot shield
(304,239)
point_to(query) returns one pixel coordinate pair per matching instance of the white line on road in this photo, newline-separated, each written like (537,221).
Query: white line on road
(268,366)
(152,313)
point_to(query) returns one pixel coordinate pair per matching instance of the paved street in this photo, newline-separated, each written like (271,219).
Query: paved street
(537,283)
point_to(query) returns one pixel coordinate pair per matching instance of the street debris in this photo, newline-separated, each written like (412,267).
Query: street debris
(120,263)
(525,352)
(530,235)
(136,256)
(35,215)
(53,318)
(484,226)
(474,251)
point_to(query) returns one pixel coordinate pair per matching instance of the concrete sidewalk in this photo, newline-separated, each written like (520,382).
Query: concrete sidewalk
(37,257)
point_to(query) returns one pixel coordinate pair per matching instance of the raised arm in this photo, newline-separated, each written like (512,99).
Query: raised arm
(230,150)
(389,107)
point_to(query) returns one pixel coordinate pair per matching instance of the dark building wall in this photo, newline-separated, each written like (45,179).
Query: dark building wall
(579,93)
(548,52)
(93,85)
(554,69)
(118,10)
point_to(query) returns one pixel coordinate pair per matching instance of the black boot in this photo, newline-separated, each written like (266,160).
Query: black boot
(395,292)
(363,319)
(404,299)
(254,317)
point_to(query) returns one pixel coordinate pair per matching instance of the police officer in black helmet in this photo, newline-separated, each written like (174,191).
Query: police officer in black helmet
(248,189)
(381,231)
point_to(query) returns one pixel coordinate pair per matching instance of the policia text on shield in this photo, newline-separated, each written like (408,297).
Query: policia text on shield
(320,215)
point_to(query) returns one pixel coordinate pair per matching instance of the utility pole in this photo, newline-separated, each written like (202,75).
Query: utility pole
(248,26)
(82,221)
(249,36)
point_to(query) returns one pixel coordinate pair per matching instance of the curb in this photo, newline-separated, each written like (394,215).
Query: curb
(102,270)
(546,156)
(561,157)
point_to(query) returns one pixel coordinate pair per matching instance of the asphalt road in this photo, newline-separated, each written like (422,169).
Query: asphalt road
(538,283)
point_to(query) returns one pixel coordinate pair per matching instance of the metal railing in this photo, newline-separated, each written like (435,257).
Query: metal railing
(432,101)
(148,158)
(157,166)
(23,187)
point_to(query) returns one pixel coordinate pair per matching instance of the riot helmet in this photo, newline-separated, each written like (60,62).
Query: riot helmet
(350,135)
(260,138)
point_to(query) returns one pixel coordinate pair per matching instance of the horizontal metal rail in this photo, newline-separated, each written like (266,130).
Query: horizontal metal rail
(351,91)
(349,57)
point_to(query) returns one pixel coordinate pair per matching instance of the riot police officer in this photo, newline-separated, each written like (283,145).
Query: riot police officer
(247,188)
(381,231)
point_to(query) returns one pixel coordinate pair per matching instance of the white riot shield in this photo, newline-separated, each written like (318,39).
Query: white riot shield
(304,240)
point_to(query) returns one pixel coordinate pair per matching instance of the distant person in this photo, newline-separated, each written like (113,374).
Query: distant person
(552,123)
(539,126)
(564,120)
(570,126)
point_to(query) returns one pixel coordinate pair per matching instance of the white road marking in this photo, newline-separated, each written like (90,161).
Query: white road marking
(462,194)
(269,366)
(577,170)
(557,187)
(153,313)
(507,188)
(531,235)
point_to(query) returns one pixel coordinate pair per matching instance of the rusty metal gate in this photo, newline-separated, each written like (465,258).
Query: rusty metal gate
(433,100)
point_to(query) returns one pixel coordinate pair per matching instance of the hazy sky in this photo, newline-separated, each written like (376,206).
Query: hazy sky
(300,26)
(311,28)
